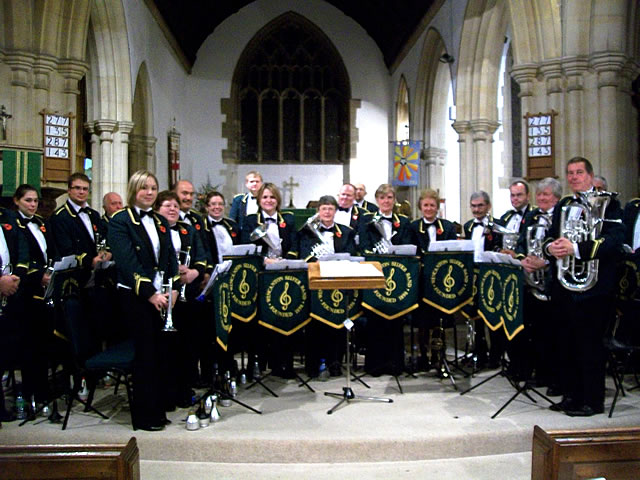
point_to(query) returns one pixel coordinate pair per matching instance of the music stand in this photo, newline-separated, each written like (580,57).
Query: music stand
(317,282)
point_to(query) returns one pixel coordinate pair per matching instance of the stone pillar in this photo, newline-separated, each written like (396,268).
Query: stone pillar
(525,75)
(22,123)
(120,165)
(482,132)
(553,76)
(467,184)
(72,72)
(105,130)
(574,69)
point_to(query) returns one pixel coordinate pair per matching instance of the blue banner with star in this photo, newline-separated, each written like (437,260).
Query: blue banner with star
(406,164)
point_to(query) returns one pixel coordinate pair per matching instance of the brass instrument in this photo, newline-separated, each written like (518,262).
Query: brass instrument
(383,245)
(48,292)
(167,313)
(322,248)
(4,270)
(536,279)
(260,233)
(574,274)
(101,245)
(187,262)
(509,237)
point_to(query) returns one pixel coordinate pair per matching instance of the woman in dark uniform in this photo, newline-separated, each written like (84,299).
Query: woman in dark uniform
(145,260)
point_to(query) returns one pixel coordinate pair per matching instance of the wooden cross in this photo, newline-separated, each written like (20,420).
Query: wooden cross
(4,116)
(290,185)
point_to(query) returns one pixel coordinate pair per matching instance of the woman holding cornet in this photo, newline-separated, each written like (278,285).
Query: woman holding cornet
(146,260)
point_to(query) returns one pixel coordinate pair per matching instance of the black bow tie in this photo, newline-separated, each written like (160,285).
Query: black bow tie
(27,221)
(429,224)
(343,209)
(476,223)
(175,227)
(84,210)
(215,222)
(326,229)
(388,219)
(269,219)
(144,213)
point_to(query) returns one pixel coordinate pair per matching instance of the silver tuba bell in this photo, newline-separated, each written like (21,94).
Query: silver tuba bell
(322,248)
(383,245)
(260,233)
(535,237)
(581,225)
(509,237)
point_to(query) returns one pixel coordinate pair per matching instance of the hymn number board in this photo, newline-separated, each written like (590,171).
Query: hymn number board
(540,145)
(57,146)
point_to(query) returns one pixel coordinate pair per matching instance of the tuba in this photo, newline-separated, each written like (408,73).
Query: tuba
(382,246)
(260,233)
(322,248)
(536,279)
(573,274)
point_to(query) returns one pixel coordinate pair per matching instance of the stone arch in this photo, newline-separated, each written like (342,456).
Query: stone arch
(434,81)
(483,32)
(109,104)
(142,144)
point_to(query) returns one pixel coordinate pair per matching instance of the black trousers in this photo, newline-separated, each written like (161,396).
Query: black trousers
(385,345)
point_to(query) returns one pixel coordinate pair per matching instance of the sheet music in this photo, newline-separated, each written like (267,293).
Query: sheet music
(451,246)
(242,249)
(65,263)
(497,257)
(287,265)
(408,250)
(219,269)
(343,268)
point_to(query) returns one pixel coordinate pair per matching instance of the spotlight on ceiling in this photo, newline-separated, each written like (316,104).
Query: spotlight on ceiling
(446,58)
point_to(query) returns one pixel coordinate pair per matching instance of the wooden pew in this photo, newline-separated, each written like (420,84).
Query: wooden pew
(611,453)
(57,462)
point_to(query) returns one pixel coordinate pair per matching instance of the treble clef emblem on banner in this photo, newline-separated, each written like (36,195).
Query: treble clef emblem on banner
(225,311)
(243,288)
(491,295)
(449,282)
(624,282)
(390,284)
(336,298)
(285,298)
(511,301)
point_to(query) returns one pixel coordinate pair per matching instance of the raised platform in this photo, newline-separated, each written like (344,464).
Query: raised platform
(430,421)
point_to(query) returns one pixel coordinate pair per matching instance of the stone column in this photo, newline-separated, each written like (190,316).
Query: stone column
(72,72)
(574,69)
(525,75)
(22,124)
(120,165)
(553,76)
(467,184)
(482,132)
(105,130)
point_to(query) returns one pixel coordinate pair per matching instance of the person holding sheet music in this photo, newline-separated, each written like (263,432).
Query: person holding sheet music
(275,232)
(385,340)
(186,242)
(426,230)
(324,341)
(145,260)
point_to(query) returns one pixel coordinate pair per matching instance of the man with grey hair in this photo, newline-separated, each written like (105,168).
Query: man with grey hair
(534,351)
(600,183)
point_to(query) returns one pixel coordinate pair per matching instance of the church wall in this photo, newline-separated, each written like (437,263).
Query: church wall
(210,82)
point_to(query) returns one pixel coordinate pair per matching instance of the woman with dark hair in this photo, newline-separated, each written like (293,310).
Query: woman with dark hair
(38,324)
(145,260)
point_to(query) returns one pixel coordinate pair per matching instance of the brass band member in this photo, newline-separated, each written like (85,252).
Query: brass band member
(111,203)
(385,345)
(582,315)
(534,350)
(244,204)
(429,229)
(349,213)
(324,341)
(361,193)
(145,260)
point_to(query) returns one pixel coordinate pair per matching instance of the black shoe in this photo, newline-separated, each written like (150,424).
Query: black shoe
(553,392)
(166,421)
(583,411)
(563,406)
(150,428)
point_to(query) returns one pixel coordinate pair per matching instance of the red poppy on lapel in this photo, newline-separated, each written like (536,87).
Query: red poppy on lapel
(338,233)
(183,231)
(396,224)
(234,234)
(197,226)
(283,224)
(439,231)
(43,229)
(7,226)
(355,217)
(489,237)
(162,229)
(95,228)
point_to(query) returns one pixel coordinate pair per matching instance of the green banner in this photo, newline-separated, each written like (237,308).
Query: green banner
(629,279)
(400,295)
(243,282)
(18,167)
(222,308)
(328,306)
(500,290)
(447,280)
(284,302)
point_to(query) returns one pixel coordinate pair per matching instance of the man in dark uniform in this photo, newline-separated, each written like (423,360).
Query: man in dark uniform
(77,230)
(485,239)
(361,192)
(584,309)
(325,341)
(111,203)
(513,219)
(244,204)
(348,212)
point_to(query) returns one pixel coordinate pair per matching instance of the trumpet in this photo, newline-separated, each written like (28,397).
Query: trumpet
(260,233)
(187,262)
(573,274)
(382,246)
(536,279)
(167,313)
(322,248)
(48,292)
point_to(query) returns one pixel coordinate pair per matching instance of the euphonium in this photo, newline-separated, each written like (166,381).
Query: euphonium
(260,233)
(382,246)
(536,279)
(509,237)
(574,274)
(319,249)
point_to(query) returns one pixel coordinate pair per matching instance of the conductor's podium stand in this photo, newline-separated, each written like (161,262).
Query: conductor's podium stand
(57,462)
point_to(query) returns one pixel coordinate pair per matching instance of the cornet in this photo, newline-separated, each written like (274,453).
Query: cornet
(167,313)
(187,262)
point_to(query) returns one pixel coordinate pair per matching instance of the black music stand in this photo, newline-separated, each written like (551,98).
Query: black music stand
(316,282)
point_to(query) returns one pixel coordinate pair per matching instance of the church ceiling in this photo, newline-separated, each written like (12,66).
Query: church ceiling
(390,23)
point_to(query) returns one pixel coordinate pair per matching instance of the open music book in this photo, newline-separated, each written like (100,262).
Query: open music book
(345,268)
